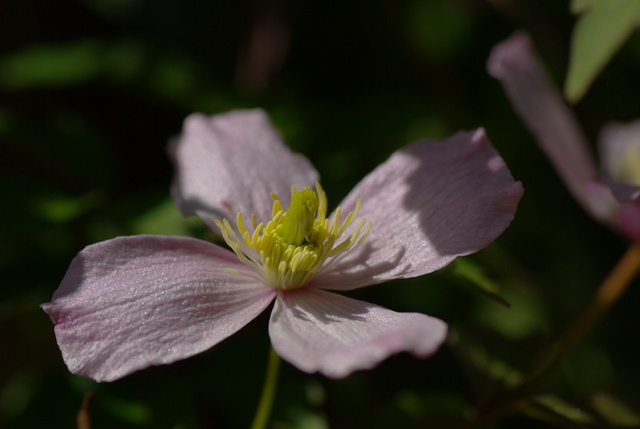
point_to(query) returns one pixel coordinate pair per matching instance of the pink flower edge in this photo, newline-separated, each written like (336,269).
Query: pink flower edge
(419,203)
(231,162)
(133,302)
(319,331)
(543,110)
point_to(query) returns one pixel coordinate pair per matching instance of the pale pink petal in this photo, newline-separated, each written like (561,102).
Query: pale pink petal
(603,199)
(133,302)
(231,162)
(429,203)
(542,109)
(334,335)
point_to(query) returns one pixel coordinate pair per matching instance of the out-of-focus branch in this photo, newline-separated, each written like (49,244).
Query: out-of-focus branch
(265,48)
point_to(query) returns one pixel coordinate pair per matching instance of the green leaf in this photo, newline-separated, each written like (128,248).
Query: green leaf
(62,209)
(50,65)
(581,6)
(164,218)
(601,29)
(474,276)
(127,410)
(614,411)
(483,365)
(553,409)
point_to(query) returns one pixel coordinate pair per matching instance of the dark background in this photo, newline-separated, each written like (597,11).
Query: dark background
(90,93)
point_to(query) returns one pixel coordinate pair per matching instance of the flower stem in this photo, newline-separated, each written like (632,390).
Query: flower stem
(607,294)
(261,419)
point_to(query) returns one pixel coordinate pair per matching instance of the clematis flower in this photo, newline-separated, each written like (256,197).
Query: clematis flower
(132,302)
(611,193)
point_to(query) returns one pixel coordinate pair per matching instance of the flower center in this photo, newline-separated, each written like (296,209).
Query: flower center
(628,170)
(295,245)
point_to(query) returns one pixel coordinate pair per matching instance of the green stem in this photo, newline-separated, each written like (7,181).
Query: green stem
(261,419)
(607,294)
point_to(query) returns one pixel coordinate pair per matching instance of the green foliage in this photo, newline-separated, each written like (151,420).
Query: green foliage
(614,411)
(477,279)
(600,31)
(558,411)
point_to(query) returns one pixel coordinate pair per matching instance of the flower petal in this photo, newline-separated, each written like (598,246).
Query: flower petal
(429,203)
(231,162)
(628,221)
(624,193)
(133,302)
(335,335)
(542,109)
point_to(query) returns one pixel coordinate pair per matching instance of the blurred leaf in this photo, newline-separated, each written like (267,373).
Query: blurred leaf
(74,63)
(61,209)
(433,403)
(51,65)
(484,367)
(614,411)
(475,277)
(17,392)
(124,60)
(126,409)
(438,29)
(553,409)
(300,418)
(586,357)
(525,317)
(580,6)
(165,218)
(173,78)
(601,29)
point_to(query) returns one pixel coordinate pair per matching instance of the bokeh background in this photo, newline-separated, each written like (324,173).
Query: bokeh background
(92,90)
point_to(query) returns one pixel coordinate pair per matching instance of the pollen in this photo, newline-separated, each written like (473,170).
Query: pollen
(297,244)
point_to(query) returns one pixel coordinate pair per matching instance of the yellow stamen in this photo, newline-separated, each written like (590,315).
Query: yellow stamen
(290,249)
(298,220)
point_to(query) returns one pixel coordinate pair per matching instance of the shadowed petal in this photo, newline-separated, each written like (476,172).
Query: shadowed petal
(231,162)
(624,193)
(429,203)
(133,302)
(628,220)
(334,335)
(544,112)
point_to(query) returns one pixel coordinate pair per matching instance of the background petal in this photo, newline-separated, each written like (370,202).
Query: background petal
(133,302)
(619,146)
(623,192)
(628,220)
(543,110)
(335,335)
(231,162)
(429,203)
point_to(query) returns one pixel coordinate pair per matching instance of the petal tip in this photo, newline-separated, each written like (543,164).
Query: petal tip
(507,51)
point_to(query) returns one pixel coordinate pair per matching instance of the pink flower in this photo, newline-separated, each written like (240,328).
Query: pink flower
(611,194)
(133,302)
